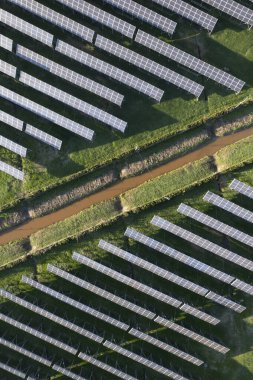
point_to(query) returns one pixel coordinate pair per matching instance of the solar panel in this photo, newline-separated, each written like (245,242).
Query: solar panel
(144,361)
(12,370)
(11,120)
(209,246)
(8,169)
(26,27)
(24,352)
(44,313)
(189,61)
(44,112)
(173,253)
(229,206)
(78,305)
(97,14)
(43,136)
(7,69)
(16,148)
(140,286)
(191,334)
(67,373)
(166,347)
(149,65)
(109,70)
(39,335)
(216,225)
(56,18)
(243,286)
(5,42)
(234,9)
(105,367)
(72,101)
(145,14)
(190,12)
(69,75)
(101,292)
(180,281)
(242,188)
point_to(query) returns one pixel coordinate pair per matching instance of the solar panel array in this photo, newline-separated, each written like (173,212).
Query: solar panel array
(78,305)
(229,206)
(44,112)
(72,101)
(55,318)
(148,65)
(26,27)
(215,224)
(109,70)
(11,120)
(43,136)
(101,292)
(233,9)
(180,281)
(8,169)
(144,361)
(67,373)
(7,68)
(173,253)
(97,14)
(105,367)
(212,247)
(70,75)
(190,12)
(23,351)
(164,346)
(242,188)
(145,14)
(6,42)
(16,148)
(56,18)
(144,288)
(12,370)
(189,61)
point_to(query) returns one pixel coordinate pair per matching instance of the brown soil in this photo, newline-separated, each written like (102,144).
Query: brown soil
(37,224)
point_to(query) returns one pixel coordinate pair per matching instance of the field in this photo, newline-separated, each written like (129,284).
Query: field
(158,136)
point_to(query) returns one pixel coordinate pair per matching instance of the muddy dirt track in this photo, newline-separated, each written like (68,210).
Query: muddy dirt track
(37,224)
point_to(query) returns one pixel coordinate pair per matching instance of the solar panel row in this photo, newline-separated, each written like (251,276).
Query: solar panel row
(26,27)
(173,253)
(148,65)
(144,361)
(16,148)
(229,206)
(189,61)
(44,112)
(6,42)
(43,136)
(67,373)
(7,68)
(70,75)
(190,12)
(74,102)
(242,188)
(11,120)
(97,14)
(234,9)
(8,169)
(215,224)
(53,317)
(78,305)
(145,14)
(56,18)
(109,70)
(143,288)
(14,371)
